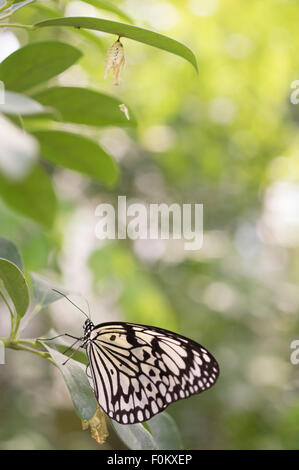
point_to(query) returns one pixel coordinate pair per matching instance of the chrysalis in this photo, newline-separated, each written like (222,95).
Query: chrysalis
(115,61)
(97,425)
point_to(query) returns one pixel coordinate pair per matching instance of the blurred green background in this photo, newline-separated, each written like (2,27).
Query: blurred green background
(227,138)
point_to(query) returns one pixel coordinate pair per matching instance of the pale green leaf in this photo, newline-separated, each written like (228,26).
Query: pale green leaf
(165,432)
(78,153)
(9,251)
(85,106)
(15,285)
(35,63)
(135,436)
(34,196)
(16,103)
(77,383)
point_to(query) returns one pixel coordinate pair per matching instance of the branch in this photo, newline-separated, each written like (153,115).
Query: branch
(17,25)
(19,345)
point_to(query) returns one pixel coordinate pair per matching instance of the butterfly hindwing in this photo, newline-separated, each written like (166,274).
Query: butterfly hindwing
(138,370)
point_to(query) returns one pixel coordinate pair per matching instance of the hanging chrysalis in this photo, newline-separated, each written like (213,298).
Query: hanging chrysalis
(115,61)
(97,425)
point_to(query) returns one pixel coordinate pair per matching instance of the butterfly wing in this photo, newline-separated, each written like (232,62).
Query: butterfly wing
(138,370)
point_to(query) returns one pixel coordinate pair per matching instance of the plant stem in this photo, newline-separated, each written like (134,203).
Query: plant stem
(11,344)
(5,16)
(17,25)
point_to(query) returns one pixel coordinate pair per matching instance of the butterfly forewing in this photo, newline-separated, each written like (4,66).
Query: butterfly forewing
(138,370)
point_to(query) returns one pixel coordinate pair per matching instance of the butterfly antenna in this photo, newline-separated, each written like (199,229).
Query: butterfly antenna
(88,306)
(58,292)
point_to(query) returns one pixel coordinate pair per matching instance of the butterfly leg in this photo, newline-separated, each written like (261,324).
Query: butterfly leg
(70,347)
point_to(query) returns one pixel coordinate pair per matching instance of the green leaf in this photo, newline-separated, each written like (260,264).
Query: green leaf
(85,106)
(44,295)
(126,30)
(9,251)
(135,436)
(16,103)
(77,383)
(43,291)
(165,432)
(77,153)
(34,196)
(108,6)
(11,9)
(35,63)
(15,285)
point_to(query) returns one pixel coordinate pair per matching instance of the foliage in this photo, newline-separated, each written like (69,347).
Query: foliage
(43,111)
(73,371)
(226,138)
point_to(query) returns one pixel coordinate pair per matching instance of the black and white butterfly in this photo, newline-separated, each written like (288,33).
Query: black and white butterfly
(138,370)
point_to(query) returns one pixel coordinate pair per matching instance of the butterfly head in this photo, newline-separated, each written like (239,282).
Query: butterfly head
(88,326)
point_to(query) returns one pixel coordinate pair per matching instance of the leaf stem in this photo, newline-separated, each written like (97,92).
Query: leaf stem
(18,345)
(17,25)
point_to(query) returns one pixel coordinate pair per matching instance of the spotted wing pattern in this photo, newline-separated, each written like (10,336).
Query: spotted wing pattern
(138,370)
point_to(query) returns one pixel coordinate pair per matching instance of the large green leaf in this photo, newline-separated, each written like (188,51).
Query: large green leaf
(126,30)
(44,295)
(17,103)
(165,432)
(34,196)
(77,153)
(77,383)
(84,106)
(35,63)
(135,436)
(43,291)
(9,251)
(15,285)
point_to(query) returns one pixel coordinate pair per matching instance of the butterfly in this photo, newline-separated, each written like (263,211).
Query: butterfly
(138,370)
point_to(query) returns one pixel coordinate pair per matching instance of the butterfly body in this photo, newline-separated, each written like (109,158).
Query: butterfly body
(138,370)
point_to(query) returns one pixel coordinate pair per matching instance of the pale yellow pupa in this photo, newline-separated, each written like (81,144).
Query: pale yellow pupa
(115,61)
